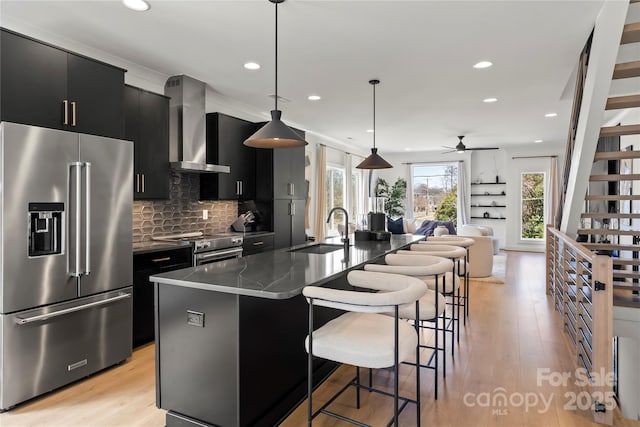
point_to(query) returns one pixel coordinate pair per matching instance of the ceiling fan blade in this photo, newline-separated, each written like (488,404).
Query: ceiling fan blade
(483,148)
(450,151)
(446,146)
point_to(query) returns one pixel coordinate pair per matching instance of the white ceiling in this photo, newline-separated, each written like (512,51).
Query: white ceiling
(422,51)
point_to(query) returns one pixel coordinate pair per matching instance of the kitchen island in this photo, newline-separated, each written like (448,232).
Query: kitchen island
(230,335)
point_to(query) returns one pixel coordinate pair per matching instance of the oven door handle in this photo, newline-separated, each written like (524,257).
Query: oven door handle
(218,254)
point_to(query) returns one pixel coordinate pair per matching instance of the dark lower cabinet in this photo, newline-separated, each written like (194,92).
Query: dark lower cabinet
(240,361)
(256,244)
(144,265)
(45,86)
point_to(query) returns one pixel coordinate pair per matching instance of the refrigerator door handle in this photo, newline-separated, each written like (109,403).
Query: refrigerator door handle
(75,195)
(47,316)
(87,219)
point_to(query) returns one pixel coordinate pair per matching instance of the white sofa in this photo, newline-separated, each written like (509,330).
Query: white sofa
(481,256)
(472,230)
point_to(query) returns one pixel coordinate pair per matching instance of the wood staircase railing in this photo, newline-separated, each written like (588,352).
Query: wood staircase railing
(581,285)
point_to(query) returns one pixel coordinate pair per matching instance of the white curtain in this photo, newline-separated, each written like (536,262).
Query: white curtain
(409,198)
(463,214)
(551,205)
(321,202)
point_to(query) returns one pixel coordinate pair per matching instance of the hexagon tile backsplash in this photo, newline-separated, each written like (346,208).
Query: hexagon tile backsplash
(182,213)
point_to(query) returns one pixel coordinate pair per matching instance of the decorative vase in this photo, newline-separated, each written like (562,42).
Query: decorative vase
(497,179)
(440,230)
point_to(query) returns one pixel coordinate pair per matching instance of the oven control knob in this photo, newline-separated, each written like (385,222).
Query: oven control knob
(205,245)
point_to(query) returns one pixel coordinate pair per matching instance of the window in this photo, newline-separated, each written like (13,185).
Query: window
(335,196)
(532,206)
(435,191)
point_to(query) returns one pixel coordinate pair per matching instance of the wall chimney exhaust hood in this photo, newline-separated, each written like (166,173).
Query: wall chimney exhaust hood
(187,126)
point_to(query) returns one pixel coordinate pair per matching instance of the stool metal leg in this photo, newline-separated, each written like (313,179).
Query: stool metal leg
(310,366)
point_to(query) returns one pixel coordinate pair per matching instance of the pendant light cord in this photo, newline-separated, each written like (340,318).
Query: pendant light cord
(374,115)
(276,96)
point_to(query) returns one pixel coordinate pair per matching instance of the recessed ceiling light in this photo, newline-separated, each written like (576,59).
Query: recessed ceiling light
(369,130)
(483,64)
(489,100)
(551,114)
(252,66)
(314,97)
(537,141)
(137,5)
(407,149)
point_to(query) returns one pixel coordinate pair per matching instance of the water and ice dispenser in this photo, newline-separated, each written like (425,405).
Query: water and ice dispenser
(45,232)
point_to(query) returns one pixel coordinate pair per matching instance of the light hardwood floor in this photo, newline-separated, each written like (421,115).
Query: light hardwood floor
(511,333)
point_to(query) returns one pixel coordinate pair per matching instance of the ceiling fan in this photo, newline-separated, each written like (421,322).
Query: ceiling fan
(461,148)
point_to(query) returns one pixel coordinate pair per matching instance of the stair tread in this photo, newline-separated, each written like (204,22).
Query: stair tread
(610,215)
(631,33)
(612,177)
(611,246)
(608,231)
(627,70)
(625,285)
(619,130)
(613,197)
(623,298)
(625,261)
(621,102)
(617,155)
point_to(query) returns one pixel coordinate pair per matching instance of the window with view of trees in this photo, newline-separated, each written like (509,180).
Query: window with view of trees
(435,191)
(335,196)
(532,196)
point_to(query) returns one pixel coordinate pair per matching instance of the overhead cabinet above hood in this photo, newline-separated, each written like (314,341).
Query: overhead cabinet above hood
(187,138)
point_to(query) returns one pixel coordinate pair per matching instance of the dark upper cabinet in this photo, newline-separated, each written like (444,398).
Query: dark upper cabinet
(46,86)
(280,173)
(225,137)
(147,125)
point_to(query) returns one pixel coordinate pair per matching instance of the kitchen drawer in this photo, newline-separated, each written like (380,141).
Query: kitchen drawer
(256,244)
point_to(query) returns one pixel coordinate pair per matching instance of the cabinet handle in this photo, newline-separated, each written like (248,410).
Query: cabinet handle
(73,113)
(258,243)
(65,112)
(292,209)
(142,182)
(290,189)
(137,183)
(167,258)
(241,187)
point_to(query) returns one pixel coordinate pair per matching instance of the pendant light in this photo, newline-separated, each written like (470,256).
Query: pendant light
(374,161)
(275,134)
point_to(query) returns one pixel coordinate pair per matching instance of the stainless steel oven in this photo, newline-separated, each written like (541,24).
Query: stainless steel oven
(207,257)
(212,248)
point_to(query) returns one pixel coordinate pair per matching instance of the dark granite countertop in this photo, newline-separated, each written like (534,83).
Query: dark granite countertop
(281,274)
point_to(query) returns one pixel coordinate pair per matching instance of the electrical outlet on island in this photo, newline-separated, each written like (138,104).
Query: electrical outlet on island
(205,214)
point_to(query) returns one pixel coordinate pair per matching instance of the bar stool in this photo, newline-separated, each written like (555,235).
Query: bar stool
(432,304)
(464,242)
(457,255)
(364,336)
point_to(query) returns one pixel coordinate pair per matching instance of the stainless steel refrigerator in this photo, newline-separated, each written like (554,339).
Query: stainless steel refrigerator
(66,261)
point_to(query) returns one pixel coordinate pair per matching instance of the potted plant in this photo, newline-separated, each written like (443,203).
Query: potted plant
(394,195)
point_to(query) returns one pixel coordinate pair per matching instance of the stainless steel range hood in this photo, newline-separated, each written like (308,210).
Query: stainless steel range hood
(187,126)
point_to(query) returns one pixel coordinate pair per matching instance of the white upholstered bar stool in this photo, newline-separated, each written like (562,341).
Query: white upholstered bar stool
(466,243)
(451,283)
(432,304)
(364,336)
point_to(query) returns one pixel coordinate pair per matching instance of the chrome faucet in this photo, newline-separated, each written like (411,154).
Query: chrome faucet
(345,239)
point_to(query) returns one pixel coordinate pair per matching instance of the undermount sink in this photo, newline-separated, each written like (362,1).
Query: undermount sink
(318,248)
